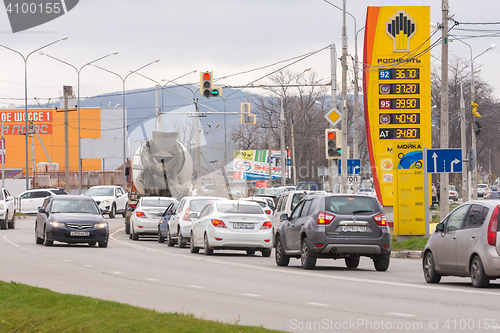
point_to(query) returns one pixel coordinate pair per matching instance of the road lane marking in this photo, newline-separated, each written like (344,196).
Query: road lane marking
(196,287)
(400,314)
(65,260)
(5,237)
(250,295)
(88,266)
(317,304)
(151,279)
(117,273)
(284,270)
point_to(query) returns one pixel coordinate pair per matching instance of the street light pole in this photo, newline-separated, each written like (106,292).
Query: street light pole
(78,99)
(124,115)
(25,59)
(343,178)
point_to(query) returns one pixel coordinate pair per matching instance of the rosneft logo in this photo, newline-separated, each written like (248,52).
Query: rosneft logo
(401,29)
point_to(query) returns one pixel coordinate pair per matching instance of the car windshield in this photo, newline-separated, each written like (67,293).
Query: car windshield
(481,186)
(344,205)
(237,207)
(100,192)
(156,202)
(198,204)
(58,191)
(365,190)
(74,206)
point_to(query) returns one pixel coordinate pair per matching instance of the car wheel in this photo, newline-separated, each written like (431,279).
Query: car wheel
(281,258)
(46,242)
(192,248)
(133,235)
(12,223)
(306,258)
(352,262)
(179,239)
(170,241)
(127,228)
(92,243)
(430,274)
(250,252)
(381,263)
(478,277)
(206,248)
(103,244)
(161,239)
(112,213)
(3,224)
(38,240)
(266,253)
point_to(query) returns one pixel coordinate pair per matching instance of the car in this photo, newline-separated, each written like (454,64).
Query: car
(271,199)
(275,191)
(146,214)
(482,189)
(163,222)
(29,200)
(338,226)
(465,243)
(308,186)
(70,219)
(179,225)
(263,203)
(453,193)
(368,191)
(111,199)
(286,203)
(494,188)
(7,210)
(232,225)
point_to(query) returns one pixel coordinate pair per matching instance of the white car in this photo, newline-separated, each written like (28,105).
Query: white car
(482,189)
(453,193)
(111,199)
(29,201)
(7,210)
(147,213)
(232,225)
(286,203)
(368,191)
(263,203)
(179,225)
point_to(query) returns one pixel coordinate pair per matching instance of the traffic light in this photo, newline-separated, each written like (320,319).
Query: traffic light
(332,144)
(207,88)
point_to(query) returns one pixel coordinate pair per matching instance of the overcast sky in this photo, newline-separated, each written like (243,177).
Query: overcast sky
(226,36)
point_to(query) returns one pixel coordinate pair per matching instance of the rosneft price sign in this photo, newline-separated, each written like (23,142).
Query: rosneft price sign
(397,88)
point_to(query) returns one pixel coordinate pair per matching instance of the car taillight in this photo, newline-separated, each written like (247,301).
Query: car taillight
(218,223)
(380,219)
(325,218)
(266,225)
(268,212)
(131,205)
(140,214)
(492,228)
(187,217)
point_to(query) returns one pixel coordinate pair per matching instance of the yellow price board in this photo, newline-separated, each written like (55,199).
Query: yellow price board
(397,88)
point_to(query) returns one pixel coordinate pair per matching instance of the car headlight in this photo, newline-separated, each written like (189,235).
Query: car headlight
(56,224)
(2,207)
(100,225)
(106,201)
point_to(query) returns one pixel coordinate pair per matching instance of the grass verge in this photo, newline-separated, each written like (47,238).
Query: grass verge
(32,309)
(411,244)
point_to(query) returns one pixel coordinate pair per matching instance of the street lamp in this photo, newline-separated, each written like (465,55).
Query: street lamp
(78,98)
(25,59)
(123,107)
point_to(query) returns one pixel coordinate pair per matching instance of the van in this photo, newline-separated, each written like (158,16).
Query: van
(286,203)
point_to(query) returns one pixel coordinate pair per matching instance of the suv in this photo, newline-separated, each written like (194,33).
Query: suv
(334,226)
(111,199)
(7,210)
(286,203)
(29,201)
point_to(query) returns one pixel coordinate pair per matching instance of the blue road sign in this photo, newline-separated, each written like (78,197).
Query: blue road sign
(353,167)
(443,160)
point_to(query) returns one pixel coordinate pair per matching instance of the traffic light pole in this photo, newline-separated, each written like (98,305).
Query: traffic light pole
(332,164)
(343,178)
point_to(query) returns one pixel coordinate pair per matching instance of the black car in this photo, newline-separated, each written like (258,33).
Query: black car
(70,219)
(334,226)
(163,223)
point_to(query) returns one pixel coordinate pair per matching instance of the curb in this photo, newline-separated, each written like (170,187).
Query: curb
(407,254)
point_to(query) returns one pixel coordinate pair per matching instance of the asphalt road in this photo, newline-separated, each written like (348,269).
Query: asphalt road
(251,290)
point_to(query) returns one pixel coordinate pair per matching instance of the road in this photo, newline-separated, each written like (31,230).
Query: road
(250,290)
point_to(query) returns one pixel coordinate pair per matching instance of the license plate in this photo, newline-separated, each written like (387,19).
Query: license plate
(238,225)
(79,233)
(352,228)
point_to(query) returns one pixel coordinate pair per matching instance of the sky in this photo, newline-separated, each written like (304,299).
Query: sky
(223,36)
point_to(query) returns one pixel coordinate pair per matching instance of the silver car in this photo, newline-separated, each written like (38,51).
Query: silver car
(465,244)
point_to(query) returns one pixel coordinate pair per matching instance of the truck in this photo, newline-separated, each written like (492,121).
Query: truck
(161,166)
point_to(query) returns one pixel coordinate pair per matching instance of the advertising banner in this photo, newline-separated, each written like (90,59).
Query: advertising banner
(254,164)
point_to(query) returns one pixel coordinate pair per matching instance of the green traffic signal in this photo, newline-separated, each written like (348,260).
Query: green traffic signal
(215,92)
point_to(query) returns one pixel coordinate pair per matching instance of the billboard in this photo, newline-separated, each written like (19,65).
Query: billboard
(254,164)
(397,88)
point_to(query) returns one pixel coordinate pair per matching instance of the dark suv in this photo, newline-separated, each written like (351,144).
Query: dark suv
(334,226)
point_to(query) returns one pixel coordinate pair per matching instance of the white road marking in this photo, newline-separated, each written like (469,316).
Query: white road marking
(65,260)
(421,286)
(250,295)
(5,237)
(400,314)
(152,280)
(88,266)
(117,273)
(197,287)
(317,304)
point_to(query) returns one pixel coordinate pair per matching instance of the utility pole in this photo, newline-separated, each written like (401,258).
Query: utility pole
(33,162)
(3,158)
(269,141)
(332,164)
(157,110)
(282,144)
(197,150)
(68,91)
(343,177)
(463,144)
(444,203)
